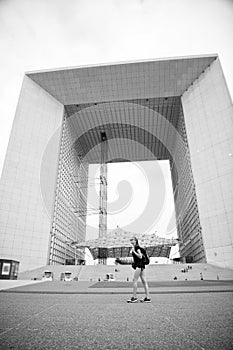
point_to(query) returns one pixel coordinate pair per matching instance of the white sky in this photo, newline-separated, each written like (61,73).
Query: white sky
(43,34)
(140,198)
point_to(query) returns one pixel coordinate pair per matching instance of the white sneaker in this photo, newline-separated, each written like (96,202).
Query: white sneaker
(145,300)
(132,300)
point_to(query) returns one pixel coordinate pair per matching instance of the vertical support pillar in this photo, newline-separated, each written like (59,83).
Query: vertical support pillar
(103,186)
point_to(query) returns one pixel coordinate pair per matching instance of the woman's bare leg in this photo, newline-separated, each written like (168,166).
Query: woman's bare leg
(135,281)
(144,282)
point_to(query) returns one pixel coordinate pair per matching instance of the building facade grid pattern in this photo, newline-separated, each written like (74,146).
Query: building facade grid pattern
(133,101)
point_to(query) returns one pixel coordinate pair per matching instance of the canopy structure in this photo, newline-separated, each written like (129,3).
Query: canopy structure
(116,244)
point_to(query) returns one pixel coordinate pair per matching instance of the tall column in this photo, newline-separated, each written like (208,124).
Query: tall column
(103,186)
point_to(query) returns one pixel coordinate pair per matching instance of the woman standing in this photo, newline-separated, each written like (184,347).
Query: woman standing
(139,267)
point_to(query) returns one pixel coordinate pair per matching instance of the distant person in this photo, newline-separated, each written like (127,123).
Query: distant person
(139,267)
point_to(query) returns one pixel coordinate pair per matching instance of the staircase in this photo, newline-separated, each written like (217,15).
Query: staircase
(57,270)
(206,271)
(157,272)
(98,272)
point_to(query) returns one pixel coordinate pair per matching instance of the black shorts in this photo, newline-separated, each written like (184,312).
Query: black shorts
(141,266)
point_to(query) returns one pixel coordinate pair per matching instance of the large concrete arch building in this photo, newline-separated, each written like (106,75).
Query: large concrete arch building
(177,109)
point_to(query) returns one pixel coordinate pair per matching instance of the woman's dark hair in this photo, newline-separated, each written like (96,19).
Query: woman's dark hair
(136,240)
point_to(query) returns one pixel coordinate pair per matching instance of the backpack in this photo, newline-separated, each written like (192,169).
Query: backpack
(145,257)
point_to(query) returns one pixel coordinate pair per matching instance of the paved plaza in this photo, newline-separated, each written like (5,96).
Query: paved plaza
(35,319)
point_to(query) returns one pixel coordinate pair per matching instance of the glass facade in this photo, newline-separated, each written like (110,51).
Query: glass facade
(69,219)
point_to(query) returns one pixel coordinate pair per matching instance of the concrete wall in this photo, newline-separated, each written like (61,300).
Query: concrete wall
(24,216)
(209,122)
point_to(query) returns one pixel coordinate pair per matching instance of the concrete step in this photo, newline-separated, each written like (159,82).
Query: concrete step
(157,272)
(36,274)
